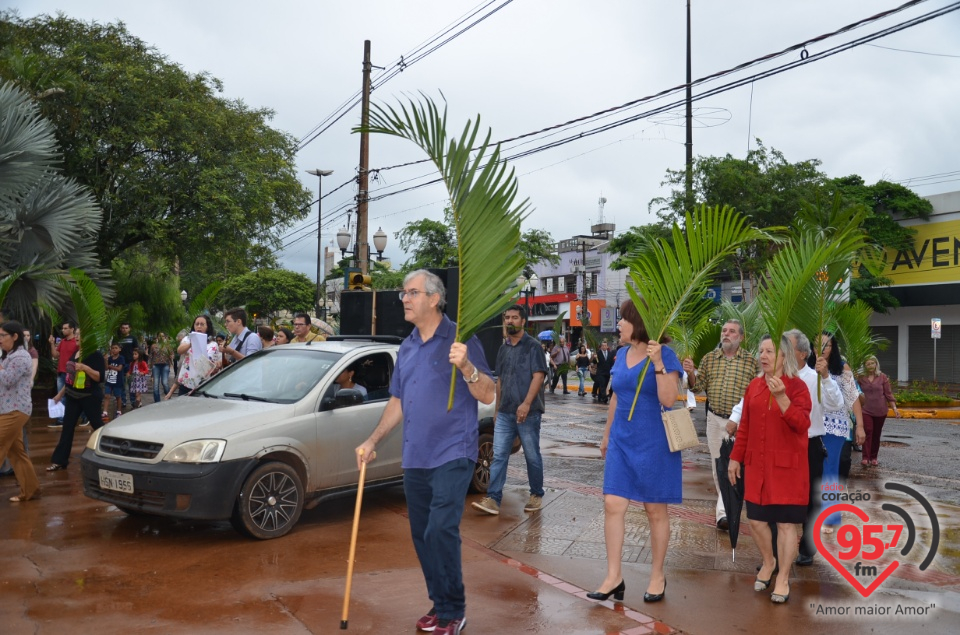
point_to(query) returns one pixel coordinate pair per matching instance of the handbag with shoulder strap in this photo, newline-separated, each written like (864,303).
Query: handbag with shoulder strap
(681,434)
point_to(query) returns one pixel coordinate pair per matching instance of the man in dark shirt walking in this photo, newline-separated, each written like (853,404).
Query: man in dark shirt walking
(521,369)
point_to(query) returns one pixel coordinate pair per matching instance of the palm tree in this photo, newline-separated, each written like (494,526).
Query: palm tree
(482,193)
(48,223)
(669,281)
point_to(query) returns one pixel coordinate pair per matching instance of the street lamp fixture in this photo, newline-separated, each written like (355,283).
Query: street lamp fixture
(183,296)
(379,242)
(528,286)
(321,297)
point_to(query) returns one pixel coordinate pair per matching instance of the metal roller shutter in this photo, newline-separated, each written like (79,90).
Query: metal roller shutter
(888,357)
(921,354)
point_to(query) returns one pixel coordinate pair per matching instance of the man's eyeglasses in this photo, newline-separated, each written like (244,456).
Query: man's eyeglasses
(413,293)
(299,324)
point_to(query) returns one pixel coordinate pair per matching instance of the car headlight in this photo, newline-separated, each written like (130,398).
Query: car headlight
(94,439)
(199,451)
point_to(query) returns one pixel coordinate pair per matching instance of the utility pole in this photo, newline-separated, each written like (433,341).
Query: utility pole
(584,320)
(361,249)
(688,203)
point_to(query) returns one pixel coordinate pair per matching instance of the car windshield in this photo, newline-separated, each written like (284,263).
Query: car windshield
(276,375)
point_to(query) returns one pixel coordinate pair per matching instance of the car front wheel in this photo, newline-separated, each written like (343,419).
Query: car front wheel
(481,471)
(270,502)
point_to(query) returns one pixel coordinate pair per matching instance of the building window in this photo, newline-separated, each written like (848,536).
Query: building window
(549,287)
(561,287)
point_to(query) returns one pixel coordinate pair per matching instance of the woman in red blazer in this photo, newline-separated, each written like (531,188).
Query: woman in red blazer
(772,444)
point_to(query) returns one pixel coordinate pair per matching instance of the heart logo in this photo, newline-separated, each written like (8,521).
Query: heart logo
(862,515)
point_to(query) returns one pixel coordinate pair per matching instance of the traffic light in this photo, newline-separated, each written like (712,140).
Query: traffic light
(358,282)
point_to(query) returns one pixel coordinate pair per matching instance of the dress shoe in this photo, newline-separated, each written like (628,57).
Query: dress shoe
(761,585)
(776,598)
(803,561)
(656,597)
(616,592)
(776,568)
(723,524)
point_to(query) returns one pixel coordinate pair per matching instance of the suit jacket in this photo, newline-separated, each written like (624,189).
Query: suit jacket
(604,365)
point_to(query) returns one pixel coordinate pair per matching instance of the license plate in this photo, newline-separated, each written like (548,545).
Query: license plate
(116,481)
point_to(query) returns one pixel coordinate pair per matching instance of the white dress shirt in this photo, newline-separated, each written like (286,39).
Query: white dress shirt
(831,399)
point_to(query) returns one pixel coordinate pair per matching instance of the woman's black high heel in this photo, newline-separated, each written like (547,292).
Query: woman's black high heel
(651,597)
(616,592)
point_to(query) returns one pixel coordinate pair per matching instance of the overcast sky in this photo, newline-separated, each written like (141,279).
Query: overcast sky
(872,111)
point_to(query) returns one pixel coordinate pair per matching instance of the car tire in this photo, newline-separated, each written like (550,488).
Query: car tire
(269,503)
(480,480)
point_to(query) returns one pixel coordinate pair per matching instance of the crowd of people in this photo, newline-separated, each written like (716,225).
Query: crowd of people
(96,386)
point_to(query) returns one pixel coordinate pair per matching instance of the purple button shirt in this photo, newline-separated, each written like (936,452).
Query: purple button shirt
(421,381)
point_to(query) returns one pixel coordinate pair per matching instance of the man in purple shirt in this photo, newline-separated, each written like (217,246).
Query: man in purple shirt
(439,446)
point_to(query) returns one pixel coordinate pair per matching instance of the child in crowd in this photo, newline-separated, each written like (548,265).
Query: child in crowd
(138,371)
(113,386)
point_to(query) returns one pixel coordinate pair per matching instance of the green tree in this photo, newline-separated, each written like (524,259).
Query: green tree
(173,165)
(764,187)
(149,292)
(537,245)
(269,291)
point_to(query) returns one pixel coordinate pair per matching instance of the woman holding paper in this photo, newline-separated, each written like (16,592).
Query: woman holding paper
(199,356)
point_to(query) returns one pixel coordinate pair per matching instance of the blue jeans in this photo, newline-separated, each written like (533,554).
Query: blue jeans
(161,375)
(504,431)
(581,372)
(435,500)
(831,471)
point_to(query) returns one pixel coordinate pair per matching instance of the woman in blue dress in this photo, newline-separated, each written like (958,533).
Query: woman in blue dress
(639,464)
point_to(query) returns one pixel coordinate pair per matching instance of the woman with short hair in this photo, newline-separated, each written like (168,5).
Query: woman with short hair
(877,394)
(16,405)
(771,444)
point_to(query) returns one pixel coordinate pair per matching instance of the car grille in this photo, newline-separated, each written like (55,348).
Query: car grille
(130,449)
(145,500)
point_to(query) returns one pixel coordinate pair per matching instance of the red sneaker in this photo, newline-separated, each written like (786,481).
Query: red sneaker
(450,627)
(428,622)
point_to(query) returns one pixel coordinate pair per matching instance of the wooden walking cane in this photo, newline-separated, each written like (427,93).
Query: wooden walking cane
(353,541)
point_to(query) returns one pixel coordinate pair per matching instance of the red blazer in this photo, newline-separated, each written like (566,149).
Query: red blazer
(772,446)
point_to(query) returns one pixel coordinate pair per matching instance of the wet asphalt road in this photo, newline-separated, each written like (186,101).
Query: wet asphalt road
(71,563)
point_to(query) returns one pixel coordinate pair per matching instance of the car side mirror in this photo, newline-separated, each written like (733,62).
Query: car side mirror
(344,398)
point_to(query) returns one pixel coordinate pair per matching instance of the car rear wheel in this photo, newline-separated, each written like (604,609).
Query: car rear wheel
(270,502)
(481,471)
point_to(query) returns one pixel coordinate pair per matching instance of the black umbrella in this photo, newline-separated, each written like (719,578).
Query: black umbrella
(732,495)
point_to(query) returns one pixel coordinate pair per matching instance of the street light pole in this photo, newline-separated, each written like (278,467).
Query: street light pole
(321,297)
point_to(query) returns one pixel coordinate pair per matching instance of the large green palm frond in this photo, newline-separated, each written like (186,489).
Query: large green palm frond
(857,340)
(95,321)
(482,193)
(690,329)
(825,292)
(787,279)
(667,280)
(27,143)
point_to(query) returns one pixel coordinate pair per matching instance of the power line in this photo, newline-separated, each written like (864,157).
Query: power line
(804,59)
(399,66)
(890,48)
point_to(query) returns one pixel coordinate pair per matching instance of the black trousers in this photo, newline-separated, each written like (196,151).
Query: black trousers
(556,379)
(600,387)
(815,464)
(72,409)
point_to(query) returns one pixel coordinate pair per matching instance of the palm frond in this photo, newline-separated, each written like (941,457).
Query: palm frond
(690,328)
(857,340)
(482,192)
(27,142)
(96,323)
(667,280)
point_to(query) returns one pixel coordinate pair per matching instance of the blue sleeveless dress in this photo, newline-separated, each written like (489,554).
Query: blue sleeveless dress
(640,465)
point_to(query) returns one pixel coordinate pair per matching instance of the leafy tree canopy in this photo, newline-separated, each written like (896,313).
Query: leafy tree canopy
(628,242)
(149,293)
(173,165)
(269,291)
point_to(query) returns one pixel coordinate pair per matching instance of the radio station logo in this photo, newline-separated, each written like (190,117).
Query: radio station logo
(862,547)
